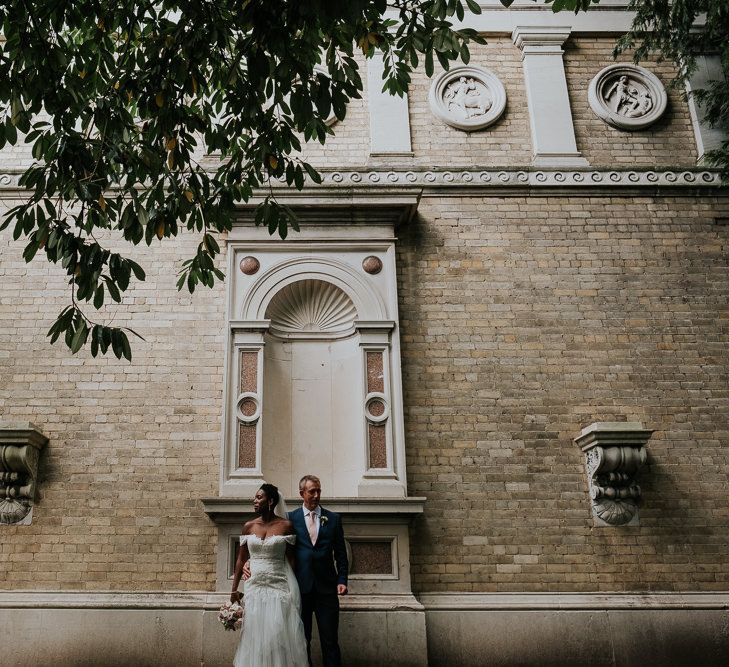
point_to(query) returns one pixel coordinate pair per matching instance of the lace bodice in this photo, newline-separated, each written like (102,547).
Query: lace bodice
(272,633)
(268,561)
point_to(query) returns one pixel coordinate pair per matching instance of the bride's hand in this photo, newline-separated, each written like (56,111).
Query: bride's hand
(236,596)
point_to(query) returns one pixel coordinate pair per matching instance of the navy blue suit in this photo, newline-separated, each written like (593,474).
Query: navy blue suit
(318,579)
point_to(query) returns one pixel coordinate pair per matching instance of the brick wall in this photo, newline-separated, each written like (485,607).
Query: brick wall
(524,320)
(668,142)
(507,142)
(132,446)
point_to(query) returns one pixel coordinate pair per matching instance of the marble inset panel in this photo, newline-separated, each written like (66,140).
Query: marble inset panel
(378,445)
(375,375)
(371,557)
(246,445)
(248,371)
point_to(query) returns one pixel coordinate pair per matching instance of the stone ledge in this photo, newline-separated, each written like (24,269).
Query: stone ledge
(572,601)
(234,509)
(22,433)
(201,601)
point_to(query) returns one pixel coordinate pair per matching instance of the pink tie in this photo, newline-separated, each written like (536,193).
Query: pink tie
(312,527)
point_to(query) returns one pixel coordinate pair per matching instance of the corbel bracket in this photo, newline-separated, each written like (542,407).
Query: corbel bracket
(614,452)
(20,447)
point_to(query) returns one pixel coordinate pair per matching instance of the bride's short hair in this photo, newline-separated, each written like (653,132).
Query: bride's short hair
(272,494)
(308,478)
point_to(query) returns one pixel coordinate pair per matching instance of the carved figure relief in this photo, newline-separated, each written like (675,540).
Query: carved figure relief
(468,98)
(627,97)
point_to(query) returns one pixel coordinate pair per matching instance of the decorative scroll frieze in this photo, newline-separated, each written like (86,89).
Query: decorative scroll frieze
(614,453)
(627,97)
(534,179)
(467,98)
(20,447)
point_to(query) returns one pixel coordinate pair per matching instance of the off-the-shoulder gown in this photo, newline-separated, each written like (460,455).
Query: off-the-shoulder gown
(272,634)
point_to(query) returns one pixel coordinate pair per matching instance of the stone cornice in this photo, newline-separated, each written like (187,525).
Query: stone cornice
(610,17)
(399,182)
(540,40)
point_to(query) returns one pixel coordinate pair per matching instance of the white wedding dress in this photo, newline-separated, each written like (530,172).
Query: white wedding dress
(272,634)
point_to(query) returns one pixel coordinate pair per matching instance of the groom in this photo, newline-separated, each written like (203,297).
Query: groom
(319,543)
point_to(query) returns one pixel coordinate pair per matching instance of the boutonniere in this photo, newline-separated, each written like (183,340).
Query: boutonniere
(323,520)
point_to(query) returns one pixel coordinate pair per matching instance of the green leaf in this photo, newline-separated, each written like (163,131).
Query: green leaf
(99,297)
(476,8)
(429,67)
(79,338)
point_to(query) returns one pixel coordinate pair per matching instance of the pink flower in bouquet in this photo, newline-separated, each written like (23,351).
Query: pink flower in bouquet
(231,616)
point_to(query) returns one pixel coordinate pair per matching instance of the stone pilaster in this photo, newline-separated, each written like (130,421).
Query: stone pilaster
(708,138)
(550,115)
(389,116)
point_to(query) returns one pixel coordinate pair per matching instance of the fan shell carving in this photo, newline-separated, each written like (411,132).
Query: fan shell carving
(311,309)
(616,512)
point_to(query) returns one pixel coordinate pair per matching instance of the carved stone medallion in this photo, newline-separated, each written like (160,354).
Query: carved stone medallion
(627,96)
(468,98)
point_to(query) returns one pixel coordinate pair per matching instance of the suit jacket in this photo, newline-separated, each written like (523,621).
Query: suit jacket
(315,569)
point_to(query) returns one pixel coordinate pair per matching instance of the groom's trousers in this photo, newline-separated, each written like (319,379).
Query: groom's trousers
(325,606)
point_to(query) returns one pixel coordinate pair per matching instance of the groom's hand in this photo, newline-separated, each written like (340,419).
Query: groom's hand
(341,589)
(246,570)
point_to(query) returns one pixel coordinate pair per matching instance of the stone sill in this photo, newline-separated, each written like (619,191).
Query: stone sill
(233,510)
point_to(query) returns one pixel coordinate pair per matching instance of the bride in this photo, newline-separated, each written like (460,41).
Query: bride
(272,634)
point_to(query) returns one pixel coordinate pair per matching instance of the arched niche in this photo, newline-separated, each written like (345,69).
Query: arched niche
(326,296)
(312,397)
(368,304)
(314,384)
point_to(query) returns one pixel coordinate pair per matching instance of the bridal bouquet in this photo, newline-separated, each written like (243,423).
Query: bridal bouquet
(231,615)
